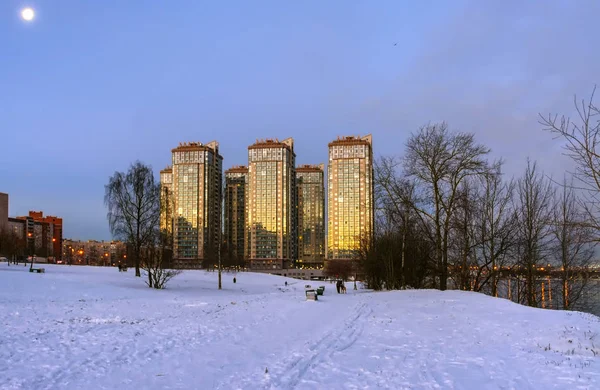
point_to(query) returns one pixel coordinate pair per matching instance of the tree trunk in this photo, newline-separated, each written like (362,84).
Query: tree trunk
(438,254)
(530,286)
(565,289)
(402,280)
(444,271)
(137,262)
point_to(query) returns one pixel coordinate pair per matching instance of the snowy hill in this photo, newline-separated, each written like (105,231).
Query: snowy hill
(96,328)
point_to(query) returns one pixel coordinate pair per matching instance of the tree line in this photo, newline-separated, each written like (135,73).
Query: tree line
(13,246)
(447,217)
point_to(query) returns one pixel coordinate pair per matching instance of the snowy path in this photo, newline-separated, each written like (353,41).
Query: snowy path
(293,368)
(91,328)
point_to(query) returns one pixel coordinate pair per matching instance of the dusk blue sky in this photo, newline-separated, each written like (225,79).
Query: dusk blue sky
(91,86)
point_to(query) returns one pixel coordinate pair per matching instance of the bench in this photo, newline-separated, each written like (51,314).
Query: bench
(38,270)
(122,268)
(311,295)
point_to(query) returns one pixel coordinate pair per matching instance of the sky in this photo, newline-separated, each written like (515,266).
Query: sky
(88,87)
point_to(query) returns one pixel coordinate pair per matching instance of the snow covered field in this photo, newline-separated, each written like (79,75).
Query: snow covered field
(96,328)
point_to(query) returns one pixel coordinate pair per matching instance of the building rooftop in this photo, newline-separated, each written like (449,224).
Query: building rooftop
(237,169)
(310,168)
(212,146)
(353,140)
(287,143)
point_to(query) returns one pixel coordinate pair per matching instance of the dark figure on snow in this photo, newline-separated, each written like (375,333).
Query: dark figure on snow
(342,287)
(286,283)
(234,279)
(338,285)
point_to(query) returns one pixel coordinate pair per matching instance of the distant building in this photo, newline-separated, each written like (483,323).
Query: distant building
(197,188)
(236,191)
(36,236)
(311,214)
(3,211)
(99,253)
(350,205)
(51,233)
(271,221)
(18,227)
(166,200)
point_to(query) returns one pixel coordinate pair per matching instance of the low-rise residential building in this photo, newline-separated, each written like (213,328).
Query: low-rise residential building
(92,252)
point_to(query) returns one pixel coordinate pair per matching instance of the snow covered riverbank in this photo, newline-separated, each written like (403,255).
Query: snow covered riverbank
(96,328)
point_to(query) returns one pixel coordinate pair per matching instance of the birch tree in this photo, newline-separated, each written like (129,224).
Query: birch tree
(133,201)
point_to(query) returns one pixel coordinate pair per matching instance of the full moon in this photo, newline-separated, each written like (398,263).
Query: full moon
(27,14)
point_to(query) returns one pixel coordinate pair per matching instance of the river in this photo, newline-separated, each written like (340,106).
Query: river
(584,296)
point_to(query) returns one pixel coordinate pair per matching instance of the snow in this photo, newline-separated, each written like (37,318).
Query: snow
(96,328)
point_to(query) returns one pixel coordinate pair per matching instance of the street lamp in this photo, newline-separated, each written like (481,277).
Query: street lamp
(31,247)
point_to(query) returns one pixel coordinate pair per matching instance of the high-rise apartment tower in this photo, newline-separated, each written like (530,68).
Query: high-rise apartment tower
(350,207)
(271,222)
(197,187)
(311,214)
(236,187)
(166,200)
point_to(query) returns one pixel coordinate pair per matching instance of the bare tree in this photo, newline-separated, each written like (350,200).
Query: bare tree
(396,198)
(573,245)
(133,201)
(464,240)
(439,161)
(582,145)
(396,256)
(155,257)
(339,268)
(533,212)
(6,244)
(11,245)
(496,229)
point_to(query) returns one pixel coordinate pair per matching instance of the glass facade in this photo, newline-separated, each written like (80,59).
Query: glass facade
(197,178)
(311,214)
(166,200)
(350,196)
(271,213)
(235,211)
